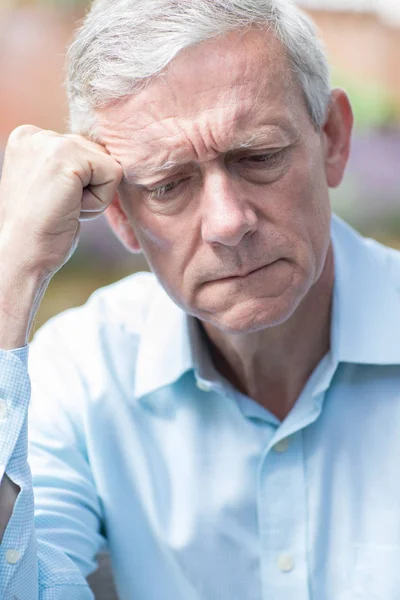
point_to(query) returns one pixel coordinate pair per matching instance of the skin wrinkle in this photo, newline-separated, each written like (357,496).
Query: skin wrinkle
(190,113)
(238,82)
(133,173)
(131,178)
(232,214)
(142,129)
(121,125)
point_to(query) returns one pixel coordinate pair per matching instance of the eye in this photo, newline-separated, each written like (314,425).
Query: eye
(269,159)
(162,190)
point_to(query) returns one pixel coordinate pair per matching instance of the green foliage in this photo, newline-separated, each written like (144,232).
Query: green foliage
(373,105)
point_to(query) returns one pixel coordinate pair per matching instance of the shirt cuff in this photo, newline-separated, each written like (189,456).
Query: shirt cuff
(21,353)
(14,402)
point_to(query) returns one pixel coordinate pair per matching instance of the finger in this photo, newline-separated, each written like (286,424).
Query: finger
(105,179)
(21,133)
(88,144)
(89,216)
(92,204)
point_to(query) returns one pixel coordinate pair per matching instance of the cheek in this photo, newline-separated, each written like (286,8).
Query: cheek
(307,185)
(316,218)
(153,235)
(170,244)
(302,212)
(169,248)
(152,241)
(307,188)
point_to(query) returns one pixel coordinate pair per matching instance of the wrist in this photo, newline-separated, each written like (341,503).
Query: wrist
(20,296)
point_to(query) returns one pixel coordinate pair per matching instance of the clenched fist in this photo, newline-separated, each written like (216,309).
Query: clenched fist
(50,182)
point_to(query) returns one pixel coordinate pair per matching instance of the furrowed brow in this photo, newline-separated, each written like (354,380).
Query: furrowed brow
(254,139)
(132,174)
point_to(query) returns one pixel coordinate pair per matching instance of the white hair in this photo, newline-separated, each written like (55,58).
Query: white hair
(122,44)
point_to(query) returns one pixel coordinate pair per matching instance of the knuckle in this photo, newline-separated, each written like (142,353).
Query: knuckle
(75,137)
(58,144)
(119,171)
(86,143)
(21,133)
(60,148)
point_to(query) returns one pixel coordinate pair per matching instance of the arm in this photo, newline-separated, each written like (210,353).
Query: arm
(46,556)
(30,568)
(68,513)
(49,183)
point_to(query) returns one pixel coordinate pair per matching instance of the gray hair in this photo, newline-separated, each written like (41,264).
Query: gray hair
(122,44)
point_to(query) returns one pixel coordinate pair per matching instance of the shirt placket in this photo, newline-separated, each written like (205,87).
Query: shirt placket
(282,496)
(283,520)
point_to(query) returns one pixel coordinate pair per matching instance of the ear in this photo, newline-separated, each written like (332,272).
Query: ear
(337,137)
(121,226)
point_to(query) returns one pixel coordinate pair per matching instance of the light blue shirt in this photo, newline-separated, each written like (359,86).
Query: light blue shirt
(201,493)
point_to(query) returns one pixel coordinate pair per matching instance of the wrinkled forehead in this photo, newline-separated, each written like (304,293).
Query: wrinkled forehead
(237,61)
(225,86)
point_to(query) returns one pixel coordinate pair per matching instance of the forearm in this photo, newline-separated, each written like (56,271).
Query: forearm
(20,296)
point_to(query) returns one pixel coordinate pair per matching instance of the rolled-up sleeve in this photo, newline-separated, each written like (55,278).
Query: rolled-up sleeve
(34,566)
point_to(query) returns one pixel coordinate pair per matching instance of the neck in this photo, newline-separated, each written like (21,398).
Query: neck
(273,365)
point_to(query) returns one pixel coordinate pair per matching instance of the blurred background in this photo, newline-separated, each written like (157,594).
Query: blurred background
(363,42)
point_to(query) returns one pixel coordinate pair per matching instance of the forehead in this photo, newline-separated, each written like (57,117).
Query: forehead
(217,94)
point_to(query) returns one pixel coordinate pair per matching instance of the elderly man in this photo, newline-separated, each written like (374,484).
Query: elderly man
(229,425)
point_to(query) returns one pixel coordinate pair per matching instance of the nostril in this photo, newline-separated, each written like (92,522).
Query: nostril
(229,227)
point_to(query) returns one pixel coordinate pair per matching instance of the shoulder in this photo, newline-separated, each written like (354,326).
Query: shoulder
(366,299)
(123,304)
(385,258)
(364,256)
(104,330)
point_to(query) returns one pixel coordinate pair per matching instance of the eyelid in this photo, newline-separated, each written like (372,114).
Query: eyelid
(276,156)
(249,152)
(170,178)
(162,184)
(262,152)
(154,191)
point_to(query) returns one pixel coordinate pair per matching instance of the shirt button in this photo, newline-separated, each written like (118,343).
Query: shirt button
(282,446)
(12,556)
(3,409)
(204,386)
(286,562)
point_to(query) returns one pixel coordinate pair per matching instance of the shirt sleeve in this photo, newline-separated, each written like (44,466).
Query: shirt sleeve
(45,552)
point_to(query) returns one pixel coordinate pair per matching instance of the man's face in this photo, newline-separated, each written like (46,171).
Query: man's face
(225,186)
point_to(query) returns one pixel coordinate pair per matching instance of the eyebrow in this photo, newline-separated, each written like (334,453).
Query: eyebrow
(132,173)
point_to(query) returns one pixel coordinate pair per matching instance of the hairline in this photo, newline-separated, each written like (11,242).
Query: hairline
(312,74)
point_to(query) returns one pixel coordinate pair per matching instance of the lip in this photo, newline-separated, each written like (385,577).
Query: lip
(246,274)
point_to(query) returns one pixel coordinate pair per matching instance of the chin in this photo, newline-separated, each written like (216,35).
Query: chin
(251,316)
(259,301)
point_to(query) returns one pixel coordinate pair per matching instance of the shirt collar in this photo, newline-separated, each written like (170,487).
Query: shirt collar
(165,348)
(366,303)
(365,318)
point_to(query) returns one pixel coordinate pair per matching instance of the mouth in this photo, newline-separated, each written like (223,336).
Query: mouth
(247,274)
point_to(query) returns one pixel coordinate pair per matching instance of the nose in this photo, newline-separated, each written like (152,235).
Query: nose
(227,217)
